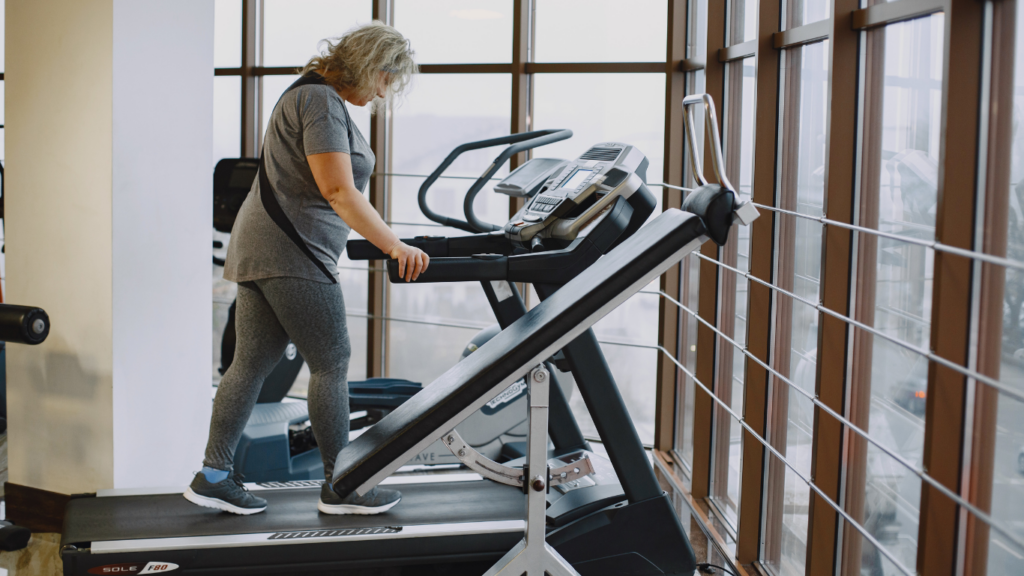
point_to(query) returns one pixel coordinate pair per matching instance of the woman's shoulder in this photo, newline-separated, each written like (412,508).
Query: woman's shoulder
(318,99)
(320,91)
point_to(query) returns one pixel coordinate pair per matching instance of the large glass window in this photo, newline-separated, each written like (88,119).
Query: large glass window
(456,31)
(432,323)
(798,270)
(1008,475)
(601,30)
(227,117)
(689,296)
(802,12)
(227,34)
(898,196)
(603,115)
(738,146)
(742,21)
(293,29)
(686,388)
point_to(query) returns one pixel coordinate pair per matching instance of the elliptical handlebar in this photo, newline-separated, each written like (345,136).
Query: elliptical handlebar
(519,143)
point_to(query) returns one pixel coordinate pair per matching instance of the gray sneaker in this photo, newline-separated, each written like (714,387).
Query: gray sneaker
(228,495)
(375,501)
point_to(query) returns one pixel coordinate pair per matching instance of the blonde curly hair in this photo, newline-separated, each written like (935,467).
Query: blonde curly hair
(355,61)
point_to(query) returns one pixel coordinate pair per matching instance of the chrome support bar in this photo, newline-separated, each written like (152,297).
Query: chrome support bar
(481,464)
(532,556)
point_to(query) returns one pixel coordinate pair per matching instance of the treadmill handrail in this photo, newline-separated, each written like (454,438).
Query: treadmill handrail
(548,327)
(548,267)
(520,142)
(550,137)
(436,246)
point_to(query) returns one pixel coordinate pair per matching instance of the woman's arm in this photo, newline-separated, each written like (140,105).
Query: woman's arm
(333,174)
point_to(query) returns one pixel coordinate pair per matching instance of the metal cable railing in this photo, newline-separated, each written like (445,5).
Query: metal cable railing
(993,383)
(933,244)
(856,525)
(662,184)
(998,526)
(468,326)
(421,322)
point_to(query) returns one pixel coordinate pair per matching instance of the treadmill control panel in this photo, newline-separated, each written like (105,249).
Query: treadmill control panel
(578,193)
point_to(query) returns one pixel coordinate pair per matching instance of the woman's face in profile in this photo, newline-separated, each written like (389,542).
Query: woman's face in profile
(382,83)
(382,88)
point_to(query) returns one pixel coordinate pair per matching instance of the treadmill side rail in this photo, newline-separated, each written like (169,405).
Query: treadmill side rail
(307,536)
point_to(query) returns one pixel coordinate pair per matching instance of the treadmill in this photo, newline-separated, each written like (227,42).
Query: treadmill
(481,257)
(459,517)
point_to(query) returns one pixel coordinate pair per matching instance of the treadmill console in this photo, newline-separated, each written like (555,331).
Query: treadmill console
(577,194)
(524,181)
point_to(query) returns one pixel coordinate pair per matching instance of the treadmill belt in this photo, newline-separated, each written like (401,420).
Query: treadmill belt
(170,515)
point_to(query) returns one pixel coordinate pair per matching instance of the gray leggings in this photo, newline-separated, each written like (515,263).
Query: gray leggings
(269,312)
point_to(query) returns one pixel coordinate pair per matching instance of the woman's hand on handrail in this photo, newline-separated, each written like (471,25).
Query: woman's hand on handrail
(411,261)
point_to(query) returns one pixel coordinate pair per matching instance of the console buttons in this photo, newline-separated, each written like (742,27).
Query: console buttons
(531,218)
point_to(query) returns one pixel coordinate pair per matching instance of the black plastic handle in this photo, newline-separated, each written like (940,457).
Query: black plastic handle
(463,269)
(434,246)
(23,324)
(437,246)
(520,142)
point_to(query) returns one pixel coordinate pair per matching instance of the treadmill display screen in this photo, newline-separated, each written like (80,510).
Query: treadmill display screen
(577,179)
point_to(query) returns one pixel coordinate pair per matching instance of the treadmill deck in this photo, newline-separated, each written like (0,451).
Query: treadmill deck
(289,510)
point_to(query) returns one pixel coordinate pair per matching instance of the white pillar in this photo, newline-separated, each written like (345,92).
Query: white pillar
(108,145)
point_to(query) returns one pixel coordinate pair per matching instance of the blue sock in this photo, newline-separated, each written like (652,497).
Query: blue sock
(213,475)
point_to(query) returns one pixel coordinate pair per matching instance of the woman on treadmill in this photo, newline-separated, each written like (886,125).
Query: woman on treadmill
(284,251)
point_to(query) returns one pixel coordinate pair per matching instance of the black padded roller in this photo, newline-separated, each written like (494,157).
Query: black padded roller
(715,205)
(23,324)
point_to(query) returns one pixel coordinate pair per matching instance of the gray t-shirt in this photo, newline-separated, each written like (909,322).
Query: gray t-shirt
(308,120)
